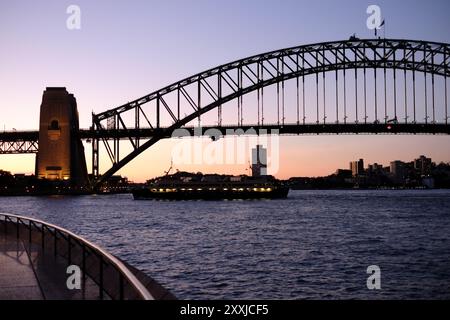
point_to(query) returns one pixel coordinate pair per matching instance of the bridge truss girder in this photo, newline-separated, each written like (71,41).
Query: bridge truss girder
(18,147)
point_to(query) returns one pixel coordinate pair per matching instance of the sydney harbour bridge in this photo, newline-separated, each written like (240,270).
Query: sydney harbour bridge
(370,86)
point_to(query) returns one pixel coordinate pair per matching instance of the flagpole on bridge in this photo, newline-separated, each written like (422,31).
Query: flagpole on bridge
(383,24)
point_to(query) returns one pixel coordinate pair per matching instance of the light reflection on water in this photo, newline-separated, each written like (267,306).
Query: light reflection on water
(315,244)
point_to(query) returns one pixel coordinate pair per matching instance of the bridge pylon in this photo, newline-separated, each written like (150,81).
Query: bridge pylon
(61,152)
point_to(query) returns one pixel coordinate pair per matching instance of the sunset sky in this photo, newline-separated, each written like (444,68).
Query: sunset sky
(126,49)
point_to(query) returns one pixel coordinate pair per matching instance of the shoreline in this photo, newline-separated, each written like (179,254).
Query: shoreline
(48,194)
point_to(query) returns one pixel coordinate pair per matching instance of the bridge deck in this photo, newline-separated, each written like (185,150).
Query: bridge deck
(284,129)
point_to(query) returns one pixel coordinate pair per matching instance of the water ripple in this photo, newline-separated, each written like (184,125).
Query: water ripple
(314,245)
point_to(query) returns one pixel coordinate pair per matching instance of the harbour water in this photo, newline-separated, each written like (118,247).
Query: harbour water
(313,245)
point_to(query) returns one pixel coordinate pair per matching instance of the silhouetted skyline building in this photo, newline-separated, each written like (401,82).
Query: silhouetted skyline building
(259,161)
(357,167)
(398,171)
(374,169)
(423,165)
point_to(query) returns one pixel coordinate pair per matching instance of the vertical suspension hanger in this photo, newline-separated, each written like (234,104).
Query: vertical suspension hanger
(115,140)
(219,96)
(262,94)
(324,88)
(158,112)
(303,88)
(365,87)
(414,84)
(395,89)
(432,87)
(179,102)
(241,96)
(238,99)
(356,90)
(258,94)
(117,123)
(406,88)
(345,91)
(199,100)
(282,90)
(375,84)
(386,117)
(137,124)
(317,87)
(425,84)
(298,95)
(278,91)
(337,87)
(445,87)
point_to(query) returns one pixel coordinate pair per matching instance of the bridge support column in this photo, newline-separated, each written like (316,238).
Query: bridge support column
(95,158)
(95,155)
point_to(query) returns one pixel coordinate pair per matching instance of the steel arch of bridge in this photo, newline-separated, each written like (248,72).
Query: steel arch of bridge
(252,74)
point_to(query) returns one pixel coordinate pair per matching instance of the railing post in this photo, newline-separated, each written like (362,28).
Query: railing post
(29,231)
(83,264)
(69,253)
(17,228)
(121,291)
(101,278)
(55,245)
(42,236)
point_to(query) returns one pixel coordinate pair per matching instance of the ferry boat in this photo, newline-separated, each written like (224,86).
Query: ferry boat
(188,186)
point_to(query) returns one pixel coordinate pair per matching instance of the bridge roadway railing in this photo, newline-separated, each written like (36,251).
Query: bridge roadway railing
(27,141)
(114,280)
(285,129)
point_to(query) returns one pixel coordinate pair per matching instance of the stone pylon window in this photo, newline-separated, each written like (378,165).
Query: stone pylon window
(54,125)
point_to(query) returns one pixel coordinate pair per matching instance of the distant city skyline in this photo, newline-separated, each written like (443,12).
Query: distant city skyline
(364,165)
(125,50)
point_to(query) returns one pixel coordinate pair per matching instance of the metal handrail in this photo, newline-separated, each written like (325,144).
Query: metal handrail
(104,255)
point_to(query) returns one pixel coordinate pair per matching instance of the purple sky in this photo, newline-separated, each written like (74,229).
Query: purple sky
(126,49)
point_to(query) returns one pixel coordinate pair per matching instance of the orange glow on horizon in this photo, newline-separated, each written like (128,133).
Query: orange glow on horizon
(299,156)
